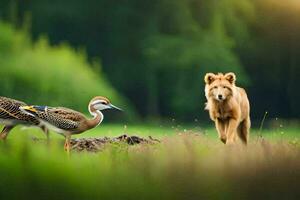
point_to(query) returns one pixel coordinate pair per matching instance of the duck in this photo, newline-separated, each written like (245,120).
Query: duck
(68,122)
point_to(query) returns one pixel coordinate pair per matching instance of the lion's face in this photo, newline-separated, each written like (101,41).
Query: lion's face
(219,86)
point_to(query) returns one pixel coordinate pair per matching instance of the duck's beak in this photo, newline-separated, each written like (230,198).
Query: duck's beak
(114,107)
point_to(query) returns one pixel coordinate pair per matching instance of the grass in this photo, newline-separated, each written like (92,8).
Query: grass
(289,133)
(186,165)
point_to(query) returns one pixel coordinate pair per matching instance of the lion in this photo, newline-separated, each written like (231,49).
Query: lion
(228,107)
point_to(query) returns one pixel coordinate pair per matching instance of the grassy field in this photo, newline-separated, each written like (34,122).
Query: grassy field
(289,133)
(189,163)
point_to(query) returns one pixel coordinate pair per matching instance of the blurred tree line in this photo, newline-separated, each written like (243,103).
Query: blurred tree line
(41,74)
(157,52)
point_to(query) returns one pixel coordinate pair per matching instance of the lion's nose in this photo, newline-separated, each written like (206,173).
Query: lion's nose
(220,97)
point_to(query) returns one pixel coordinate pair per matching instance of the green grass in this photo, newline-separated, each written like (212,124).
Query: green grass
(185,165)
(115,130)
(290,133)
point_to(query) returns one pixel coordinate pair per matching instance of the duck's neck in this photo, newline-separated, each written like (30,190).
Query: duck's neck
(98,118)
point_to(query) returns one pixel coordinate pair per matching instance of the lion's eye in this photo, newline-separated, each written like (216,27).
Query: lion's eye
(215,87)
(224,87)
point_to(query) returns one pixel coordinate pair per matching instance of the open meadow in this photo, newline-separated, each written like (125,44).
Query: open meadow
(143,84)
(188,163)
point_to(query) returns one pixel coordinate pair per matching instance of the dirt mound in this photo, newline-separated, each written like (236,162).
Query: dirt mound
(97,144)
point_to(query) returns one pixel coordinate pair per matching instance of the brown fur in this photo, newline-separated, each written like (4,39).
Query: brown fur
(228,107)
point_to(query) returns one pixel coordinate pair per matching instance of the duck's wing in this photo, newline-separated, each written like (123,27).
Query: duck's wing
(60,117)
(10,110)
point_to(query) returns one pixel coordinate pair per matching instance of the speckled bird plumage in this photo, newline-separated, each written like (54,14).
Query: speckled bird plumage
(11,115)
(63,118)
(67,121)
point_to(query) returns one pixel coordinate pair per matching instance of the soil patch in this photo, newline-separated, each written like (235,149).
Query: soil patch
(97,144)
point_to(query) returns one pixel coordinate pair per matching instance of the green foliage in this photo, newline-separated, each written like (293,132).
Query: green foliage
(154,52)
(53,75)
(184,49)
(157,52)
(273,54)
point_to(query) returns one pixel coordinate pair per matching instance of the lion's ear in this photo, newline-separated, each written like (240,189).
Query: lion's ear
(230,77)
(209,78)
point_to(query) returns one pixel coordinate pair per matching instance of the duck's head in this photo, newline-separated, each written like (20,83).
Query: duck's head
(100,103)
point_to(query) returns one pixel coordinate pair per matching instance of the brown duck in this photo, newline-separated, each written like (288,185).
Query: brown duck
(68,122)
(11,116)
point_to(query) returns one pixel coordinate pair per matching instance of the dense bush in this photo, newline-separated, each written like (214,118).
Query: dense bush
(53,75)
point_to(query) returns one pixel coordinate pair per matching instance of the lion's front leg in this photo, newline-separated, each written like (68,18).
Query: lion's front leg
(231,132)
(221,128)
